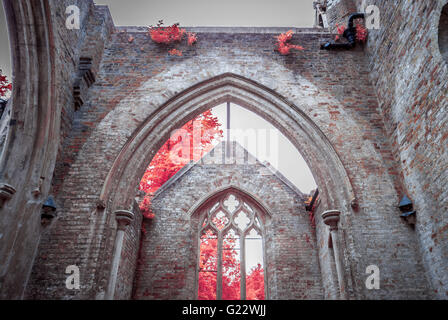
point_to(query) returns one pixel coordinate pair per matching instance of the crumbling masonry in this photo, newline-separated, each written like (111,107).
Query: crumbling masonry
(90,108)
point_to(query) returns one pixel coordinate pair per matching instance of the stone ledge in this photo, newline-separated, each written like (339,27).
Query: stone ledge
(234,30)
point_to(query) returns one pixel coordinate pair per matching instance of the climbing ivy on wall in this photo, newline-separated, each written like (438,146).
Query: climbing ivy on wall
(284,45)
(171,35)
(361,32)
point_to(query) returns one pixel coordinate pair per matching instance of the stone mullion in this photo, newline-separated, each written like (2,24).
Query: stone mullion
(219,275)
(243,266)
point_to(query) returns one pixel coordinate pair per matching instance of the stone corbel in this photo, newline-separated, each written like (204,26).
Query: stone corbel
(6,193)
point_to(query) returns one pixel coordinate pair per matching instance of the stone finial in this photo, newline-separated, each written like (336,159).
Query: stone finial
(331,219)
(124,218)
(6,193)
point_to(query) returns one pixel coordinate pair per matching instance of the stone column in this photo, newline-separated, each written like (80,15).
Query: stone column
(331,218)
(124,219)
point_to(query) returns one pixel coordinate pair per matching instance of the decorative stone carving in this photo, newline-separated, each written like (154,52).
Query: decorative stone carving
(124,218)
(6,193)
(331,219)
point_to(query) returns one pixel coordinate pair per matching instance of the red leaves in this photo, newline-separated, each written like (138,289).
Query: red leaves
(5,86)
(192,39)
(231,276)
(312,212)
(191,142)
(175,52)
(341,29)
(166,35)
(361,33)
(283,45)
(170,35)
(255,284)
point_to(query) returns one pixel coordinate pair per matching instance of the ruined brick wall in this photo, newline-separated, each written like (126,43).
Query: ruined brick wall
(88,42)
(169,254)
(70,45)
(137,78)
(53,53)
(338,12)
(411,80)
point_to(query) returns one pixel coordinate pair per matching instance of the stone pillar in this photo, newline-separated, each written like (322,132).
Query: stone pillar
(331,218)
(124,219)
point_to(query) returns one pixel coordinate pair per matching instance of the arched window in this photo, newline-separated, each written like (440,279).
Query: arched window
(231,250)
(443,33)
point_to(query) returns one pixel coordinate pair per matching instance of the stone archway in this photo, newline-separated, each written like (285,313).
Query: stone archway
(336,190)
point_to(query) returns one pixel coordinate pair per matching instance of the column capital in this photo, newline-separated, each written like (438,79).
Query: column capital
(331,218)
(124,218)
(6,193)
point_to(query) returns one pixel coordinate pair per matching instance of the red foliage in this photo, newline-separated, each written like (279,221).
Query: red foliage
(231,276)
(283,45)
(190,143)
(312,212)
(175,52)
(255,284)
(361,33)
(166,35)
(5,86)
(171,34)
(192,38)
(341,29)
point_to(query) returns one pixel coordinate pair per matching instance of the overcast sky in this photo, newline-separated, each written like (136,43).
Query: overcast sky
(255,13)
(251,13)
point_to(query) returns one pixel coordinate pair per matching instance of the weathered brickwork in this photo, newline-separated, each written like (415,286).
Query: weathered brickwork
(411,80)
(168,260)
(371,123)
(332,89)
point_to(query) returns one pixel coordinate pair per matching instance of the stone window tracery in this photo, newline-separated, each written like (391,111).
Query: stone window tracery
(231,250)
